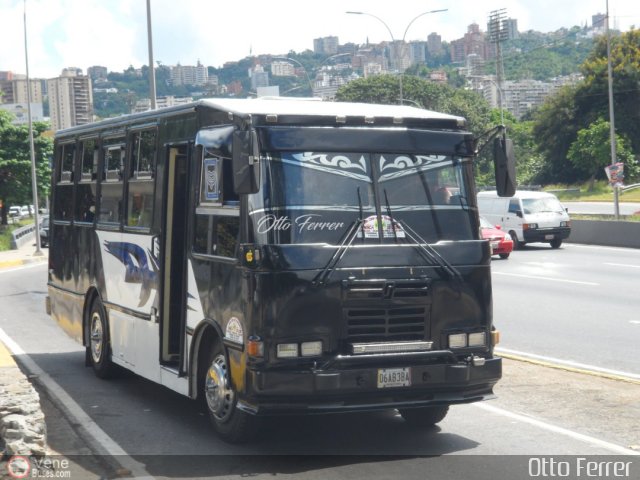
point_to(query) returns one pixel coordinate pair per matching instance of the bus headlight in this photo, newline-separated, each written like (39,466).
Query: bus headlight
(478,339)
(287,350)
(458,340)
(311,349)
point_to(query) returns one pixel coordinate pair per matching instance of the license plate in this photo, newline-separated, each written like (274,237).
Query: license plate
(394,377)
(495,245)
(549,237)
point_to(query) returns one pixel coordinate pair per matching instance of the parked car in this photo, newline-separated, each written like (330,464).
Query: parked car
(25,211)
(44,232)
(14,212)
(501,242)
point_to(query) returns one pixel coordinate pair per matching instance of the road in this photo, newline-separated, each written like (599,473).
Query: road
(166,435)
(578,303)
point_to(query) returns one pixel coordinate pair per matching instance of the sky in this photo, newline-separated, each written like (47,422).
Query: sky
(113,33)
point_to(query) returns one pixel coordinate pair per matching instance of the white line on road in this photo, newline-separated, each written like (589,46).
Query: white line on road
(77,415)
(551,279)
(554,428)
(621,265)
(568,363)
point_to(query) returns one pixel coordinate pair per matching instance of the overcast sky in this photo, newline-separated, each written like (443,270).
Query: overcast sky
(113,33)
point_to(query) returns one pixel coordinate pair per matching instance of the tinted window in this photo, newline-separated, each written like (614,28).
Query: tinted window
(216,235)
(141,175)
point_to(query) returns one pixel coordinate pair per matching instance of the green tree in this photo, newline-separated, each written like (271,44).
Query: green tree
(15,162)
(385,89)
(591,151)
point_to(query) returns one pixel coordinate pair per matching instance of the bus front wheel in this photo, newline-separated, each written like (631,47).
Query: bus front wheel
(232,424)
(98,346)
(424,416)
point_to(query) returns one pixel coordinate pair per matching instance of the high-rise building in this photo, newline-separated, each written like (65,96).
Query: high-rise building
(97,73)
(473,42)
(14,89)
(189,75)
(434,44)
(326,45)
(70,99)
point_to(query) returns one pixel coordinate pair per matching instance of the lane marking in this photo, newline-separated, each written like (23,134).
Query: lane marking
(73,411)
(569,365)
(621,265)
(612,447)
(551,279)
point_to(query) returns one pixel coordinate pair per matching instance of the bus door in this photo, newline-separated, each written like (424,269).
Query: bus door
(174,288)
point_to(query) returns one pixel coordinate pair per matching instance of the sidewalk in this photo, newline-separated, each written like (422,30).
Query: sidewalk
(22,256)
(22,426)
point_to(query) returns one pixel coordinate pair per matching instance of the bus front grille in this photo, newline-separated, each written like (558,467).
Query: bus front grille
(392,323)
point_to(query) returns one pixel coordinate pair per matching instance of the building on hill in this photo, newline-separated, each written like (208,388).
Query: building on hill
(70,99)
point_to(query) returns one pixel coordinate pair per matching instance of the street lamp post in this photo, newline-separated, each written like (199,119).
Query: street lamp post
(393,41)
(34,177)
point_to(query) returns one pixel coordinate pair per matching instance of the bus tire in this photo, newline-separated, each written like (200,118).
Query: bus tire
(230,423)
(99,345)
(424,416)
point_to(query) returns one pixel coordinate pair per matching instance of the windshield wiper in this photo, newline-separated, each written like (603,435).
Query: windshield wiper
(346,243)
(393,222)
(423,246)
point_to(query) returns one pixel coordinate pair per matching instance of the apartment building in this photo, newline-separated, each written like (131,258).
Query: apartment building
(189,75)
(70,99)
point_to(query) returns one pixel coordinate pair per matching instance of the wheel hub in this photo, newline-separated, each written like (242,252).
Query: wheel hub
(97,338)
(217,391)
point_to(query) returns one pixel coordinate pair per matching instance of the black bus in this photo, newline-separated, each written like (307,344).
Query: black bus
(279,256)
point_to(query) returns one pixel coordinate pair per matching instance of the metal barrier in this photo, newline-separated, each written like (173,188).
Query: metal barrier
(22,235)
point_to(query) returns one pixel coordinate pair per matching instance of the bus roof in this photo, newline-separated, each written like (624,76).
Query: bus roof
(304,110)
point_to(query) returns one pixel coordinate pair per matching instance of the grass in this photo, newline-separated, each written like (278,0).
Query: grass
(602,192)
(5,233)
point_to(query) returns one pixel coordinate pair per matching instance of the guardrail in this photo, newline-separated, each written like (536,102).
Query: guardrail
(22,235)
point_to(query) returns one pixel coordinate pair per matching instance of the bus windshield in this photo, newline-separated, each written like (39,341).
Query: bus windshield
(315,197)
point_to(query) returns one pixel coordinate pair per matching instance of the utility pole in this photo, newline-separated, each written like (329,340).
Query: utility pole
(498,34)
(152,72)
(612,124)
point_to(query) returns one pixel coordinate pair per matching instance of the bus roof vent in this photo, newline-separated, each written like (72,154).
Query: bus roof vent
(272,118)
(341,119)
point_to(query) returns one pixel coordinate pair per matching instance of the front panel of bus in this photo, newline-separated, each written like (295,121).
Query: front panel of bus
(366,281)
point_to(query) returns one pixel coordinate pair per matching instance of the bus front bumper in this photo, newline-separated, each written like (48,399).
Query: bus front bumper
(358,389)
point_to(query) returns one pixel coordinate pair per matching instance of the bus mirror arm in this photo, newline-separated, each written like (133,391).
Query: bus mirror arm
(503,159)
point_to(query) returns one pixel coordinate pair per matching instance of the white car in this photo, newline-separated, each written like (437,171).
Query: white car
(14,212)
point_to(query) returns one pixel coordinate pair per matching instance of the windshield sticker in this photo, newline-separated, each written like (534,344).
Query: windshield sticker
(340,164)
(371,227)
(300,224)
(403,165)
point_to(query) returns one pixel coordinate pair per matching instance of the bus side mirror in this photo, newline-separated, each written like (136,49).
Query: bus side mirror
(505,166)
(245,160)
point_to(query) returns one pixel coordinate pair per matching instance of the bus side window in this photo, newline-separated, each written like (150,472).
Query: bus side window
(141,179)
(112,186)
(64,186)
(86,190)
(216,235)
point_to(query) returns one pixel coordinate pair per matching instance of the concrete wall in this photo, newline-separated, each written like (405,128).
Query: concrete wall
(605,232)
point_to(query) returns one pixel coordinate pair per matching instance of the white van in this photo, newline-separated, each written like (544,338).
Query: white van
(527,216)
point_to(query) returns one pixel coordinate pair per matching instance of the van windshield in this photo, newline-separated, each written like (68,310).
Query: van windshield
(542,205)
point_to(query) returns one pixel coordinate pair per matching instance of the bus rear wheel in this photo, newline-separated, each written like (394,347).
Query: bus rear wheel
(424,416)
(99,351)
(232,424)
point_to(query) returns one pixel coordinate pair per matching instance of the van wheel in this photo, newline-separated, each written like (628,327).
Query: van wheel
(424,416)
(516,243)
(99,348)
(231,424)
(556,242)
(504,256)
